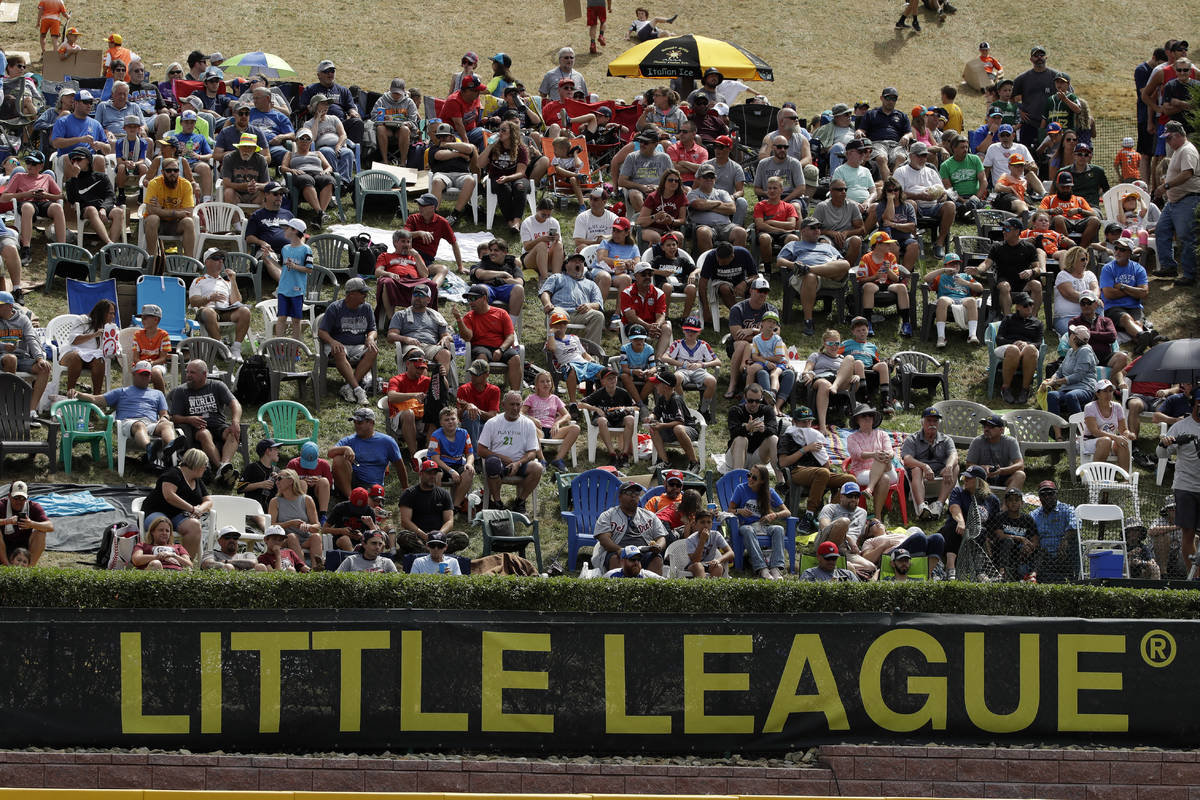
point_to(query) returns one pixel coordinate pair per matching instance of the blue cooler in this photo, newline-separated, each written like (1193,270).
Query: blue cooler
(1106,564)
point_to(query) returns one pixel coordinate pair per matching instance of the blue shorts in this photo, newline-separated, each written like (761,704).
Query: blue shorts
(291,307)
(584,370)
(500,293)
(179,519)
(1160,144)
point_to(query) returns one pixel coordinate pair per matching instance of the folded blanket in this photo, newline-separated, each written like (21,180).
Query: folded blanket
(70,505)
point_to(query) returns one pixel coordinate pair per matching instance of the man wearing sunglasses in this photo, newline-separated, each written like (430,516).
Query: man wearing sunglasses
(565,70)
(169,204)
(77,129)
(341,102)
(228,138)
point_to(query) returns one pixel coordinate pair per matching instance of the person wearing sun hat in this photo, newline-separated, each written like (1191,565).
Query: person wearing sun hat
(245,172)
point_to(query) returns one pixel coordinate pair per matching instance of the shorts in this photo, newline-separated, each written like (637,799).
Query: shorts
(1077,225)
(1187,509)
(695,375)
(222,316)
(51,25)
(430,351)
(25,363)
(886,148)
(1004,201)
(1145,140)
(499,293)
(493,467)
(354,352)
(647,33)
(249,198)
(596,15)
(319,180)
(455,180)
(929,210)
(862,476)
(1116,312)
(291,307)
(217,431)
(479,351)
(1001,349)
(40,208)
(721,231)
(1160,144)
(615,419)
(593,272)
(584,370)
(179,519)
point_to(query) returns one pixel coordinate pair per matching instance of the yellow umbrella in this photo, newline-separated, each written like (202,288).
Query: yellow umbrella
(688,57)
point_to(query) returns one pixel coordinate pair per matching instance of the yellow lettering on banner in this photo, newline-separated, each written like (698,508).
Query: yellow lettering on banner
(696,682)
(351,644)
(210,682)
(806,651)
(132,718)
(495,679)
(1029,670)
(1071,682)
(412,718)
(615,718)
(933,712)
(269,646)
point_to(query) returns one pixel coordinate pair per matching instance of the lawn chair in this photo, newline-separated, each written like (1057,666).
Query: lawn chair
(186,268)
(559,188)
(994,361)
(222,222)
(69,260)
(333,252)
(499,530)
(16,434)
(169,294)
(127,360)
(884,299)
(123,258)
(235,511)
(960,420)
(832,296)
(921,370)
(246,267)
(75,421)
(214,353)
(321,289)
(989,223)
(725,488)
(279,418)
(284,357)
(1031,427)
(82,296)
(378,183)
(492,202)
(592,492)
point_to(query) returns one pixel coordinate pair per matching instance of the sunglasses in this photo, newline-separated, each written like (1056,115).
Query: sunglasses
(754,400)
(781,147)
(243,113)
(175,72)
(171,170)
(837,188)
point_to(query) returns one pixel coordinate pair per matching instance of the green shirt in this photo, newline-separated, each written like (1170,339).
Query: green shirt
(1058,111)
(963,175)
(1010,109)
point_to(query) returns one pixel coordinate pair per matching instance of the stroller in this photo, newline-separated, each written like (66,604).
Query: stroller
(19,108)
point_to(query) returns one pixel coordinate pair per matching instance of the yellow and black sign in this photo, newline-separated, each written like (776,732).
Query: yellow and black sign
(525,682)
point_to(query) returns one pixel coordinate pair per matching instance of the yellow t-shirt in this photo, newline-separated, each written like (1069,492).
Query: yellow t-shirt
(180,197)
(954,122)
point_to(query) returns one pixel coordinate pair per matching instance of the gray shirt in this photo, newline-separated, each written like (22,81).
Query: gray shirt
(387,111)
(549,84)
(789,169)
(646,169)
(640,529)
(427,327)
(835,511)
(709,217)
(936,453)
(728,176)
(1187,464)
(18,330)
(838,574)
(837,218)
(795,141)
(1003,452)
(359,563)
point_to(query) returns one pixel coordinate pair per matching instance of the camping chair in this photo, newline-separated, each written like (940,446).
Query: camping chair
(831,295)
(15,430)
(123,258)
(989,223)
(559,188)
(75,421)
(994,361)
(918,567)
(960,420)
(279,418)
(725,488)
(170,295)
(922,370)
(333,252)
(177,265)
(592,491)
(499,530)
(284,356)
(20,107)
(69,259)
(223,222)
(378,183)
(83,296)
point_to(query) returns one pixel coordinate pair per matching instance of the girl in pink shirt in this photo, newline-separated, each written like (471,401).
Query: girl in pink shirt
(871,453)
(552,417)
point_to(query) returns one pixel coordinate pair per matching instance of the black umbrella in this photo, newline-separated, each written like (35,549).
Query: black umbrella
(1168,362)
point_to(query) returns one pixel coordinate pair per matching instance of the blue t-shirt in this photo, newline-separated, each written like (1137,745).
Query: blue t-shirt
(371,456)
(192,145)
(625,252)
(346,325)
(130,402)
(747,498)
(267,226)
(811,254)
(636,360)
(292,282)
(71,127)
(450,451)
(1177,405)
(948,286)
(272,123)
(1132,274)
(132,150)
(865,352)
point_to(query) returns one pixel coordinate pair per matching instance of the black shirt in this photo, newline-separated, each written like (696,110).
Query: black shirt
(428,507)
(155,502)
(509,265)
(602,399)
(671,408)
(1016,328)
(739,415)
(450,165)
(745,315)
(1012,259)
(347,515)
(256,472)
(741,267)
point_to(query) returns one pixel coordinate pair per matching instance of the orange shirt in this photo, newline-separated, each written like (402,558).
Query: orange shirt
(1018,186)
(1128,163)
(1049,242)
(151,347)
(1071,209)
(868,268)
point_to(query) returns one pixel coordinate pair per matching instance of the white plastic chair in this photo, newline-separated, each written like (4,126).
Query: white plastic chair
(56,332)
(140,217)
(230,510)
(676,559)
(593,436)
(170,379)
(82,229)
(492,202)
(1111,200)
(1104,477)
(269,310)
(1091,514)
(223,222)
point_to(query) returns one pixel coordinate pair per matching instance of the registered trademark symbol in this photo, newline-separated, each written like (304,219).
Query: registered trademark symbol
(1158,648)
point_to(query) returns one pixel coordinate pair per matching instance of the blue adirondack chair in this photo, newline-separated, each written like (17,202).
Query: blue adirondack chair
(653,491)
(725,488)
(591,493)
(83,296)
(170,294)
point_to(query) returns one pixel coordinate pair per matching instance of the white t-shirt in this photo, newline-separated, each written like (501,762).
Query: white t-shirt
(204,286)
(590,227)
(512,438)
(916,180)
(425,565)
(1070,308)
(531,227)
(996,158)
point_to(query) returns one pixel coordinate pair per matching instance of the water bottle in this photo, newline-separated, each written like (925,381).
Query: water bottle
(443,567)
(81,426)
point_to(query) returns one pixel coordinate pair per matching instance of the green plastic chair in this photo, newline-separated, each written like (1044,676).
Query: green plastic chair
(278,419)
(490,520)
(75,425)
(807,562)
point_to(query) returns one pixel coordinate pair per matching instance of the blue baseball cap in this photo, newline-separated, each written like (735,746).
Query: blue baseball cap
(951,258)
(6,297)
(1005,128)
(308,455)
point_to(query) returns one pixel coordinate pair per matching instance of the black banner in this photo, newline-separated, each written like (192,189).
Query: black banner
(585,683)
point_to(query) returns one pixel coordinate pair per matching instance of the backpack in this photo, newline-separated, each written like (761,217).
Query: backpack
(364,254)
(253,386)
(108,556)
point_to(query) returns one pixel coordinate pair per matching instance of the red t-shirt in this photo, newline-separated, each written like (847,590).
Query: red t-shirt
(396,264)
(403,384)
(488,399)
(152,549)
(438,226)
(671,205)
(779,212)
(288,556)
(490,328)
(456,106)
(646,306)
(321,470)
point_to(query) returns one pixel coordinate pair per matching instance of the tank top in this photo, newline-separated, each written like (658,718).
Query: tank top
(291,509)
(310,162)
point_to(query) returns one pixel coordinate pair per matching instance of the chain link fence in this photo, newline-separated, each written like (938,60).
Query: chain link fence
(1106,141)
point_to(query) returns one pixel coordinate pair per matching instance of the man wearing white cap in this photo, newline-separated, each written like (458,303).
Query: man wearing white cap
(143,409)
(216,298)
(226,556)
(23,524)
(20,350)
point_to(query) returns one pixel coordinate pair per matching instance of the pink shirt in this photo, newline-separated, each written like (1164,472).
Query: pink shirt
(858,443)
(544,410)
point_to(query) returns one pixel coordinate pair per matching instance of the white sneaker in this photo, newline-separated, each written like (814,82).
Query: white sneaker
(935,509)
(923,511)
(360,396)
(973,340)
(941,342)
(347,393)
(766,574)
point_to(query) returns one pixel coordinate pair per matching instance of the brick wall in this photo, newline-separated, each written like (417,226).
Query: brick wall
(842,770)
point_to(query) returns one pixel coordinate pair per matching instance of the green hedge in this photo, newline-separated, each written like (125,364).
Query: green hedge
(69,588)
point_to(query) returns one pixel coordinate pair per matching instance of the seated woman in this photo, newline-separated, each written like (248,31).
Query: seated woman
(553,419)
(665,209)
(1074,280)
(81,345)
(759,510)
(158,550)
(293,509)
(1074,384)
(181,495)
(1105,431)
(897,217)
(311,173)
(871,453)
(827,372)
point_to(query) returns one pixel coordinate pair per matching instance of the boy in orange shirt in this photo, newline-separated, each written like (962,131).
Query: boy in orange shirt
(1128,161)
(50,18)
(879,271)
(151,343)
(990,65)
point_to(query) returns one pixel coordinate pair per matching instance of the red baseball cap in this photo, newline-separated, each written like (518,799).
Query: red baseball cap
(429,464)
(621,224)
(359,496)
(471,82)
(724,141)
(376,491)
(825,549)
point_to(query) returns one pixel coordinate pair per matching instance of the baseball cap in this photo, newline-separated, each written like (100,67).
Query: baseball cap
(984,46)
(72,31)
(476,291)
(879,237)
(1081,332)
(1065,179)
(566,82)
(622,224)
(647,137)
(231,530)
(326,65)
(214,252)
(397,85)
(597,193)
(771,315)
(1174,126)
(706,169)
(427,199)
(363,413)
(1016,158)
(802,412)
(693,324)
(1083,147)
(975,471)
(296,224)
(642,266)
(722,109)
(1047,485)
(308,455)
(1062,76)
(931,412)
(1127,141)
(6,297)
(274,187)
(1090,297)
(436,540)
(1124,243)
(428,465)
(665,376)
(422,290)
(133,119)
(850,487)
(637,332)
(213,72)
(890,92)
(951,258)
(995,111)
(265,444)
(375,491)
(1037,48)
(826,549)
(1012,491)
(478,367)
(631,551)
(631,486)
(810,222)
(1104,385)
(444,129)
(918,149)
(19,489)
(724,141)
(34,157)
(359,496)
(503,59)
(673,475)
(1022,299)
(900,553)
(855,144)
(84,96)
(1005,128)
(1012,224)
(558,317)
(762,284)
(1054,127)
(355,285)
(993,421)
(276,530)
(142,366)
(839,109)
(471,83)
(188,115)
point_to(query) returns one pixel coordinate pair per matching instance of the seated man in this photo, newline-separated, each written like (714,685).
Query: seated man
(998,455)
(827,568)
(631,564)
(400,273)
(198,406)
(265,228)
(361,460)
(641,169)
(815,264)
(226,556)
(1017,343)
(593,224)
(730,176)
(430,229)
(423,327)
(1072,214)
(841,221)
(147,408)
(35,194)
(930,455)
(406,399)
(450,162)
(490,334)
(1057,554)
(396,120)
(1125,284)
(776,220)
(502,276)
(194,148)
(21,349)
(964,176)
(629,525)
(1018,264)
(1102,335)
(347,333)
(804,456)
(711,211)
(477,400)
(577,295)
(862,187)
(244,172)
(216,298)
(642,303)
(510,448)
(23,525)
(725,274)
(752,430)
(840,523)
(169,204)
(923,185)
(426,509)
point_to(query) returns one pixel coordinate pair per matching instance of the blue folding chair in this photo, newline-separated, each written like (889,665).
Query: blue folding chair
(83,296)
(592,492)
(170,294)
(725,488)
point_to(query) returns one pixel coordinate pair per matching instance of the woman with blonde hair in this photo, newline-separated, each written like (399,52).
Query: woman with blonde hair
(157,550)
(1074,279)
(293,509)
(182,497)
(505,159)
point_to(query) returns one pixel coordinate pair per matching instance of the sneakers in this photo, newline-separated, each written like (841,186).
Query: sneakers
(225,472)
(659,466)
(347,393)
(948,8)
(1165,272)
(518,506)
(776,573)
(902,23)
(935,509)
(694,467)
(1006,394)
(592,49)
(916,24)
(360,396)
(906,329)
(26,255)
(559,465)
(941,343)
(452,219)
(1185,282)
(809,330)
(923,511)
(600,40)
(671,19)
